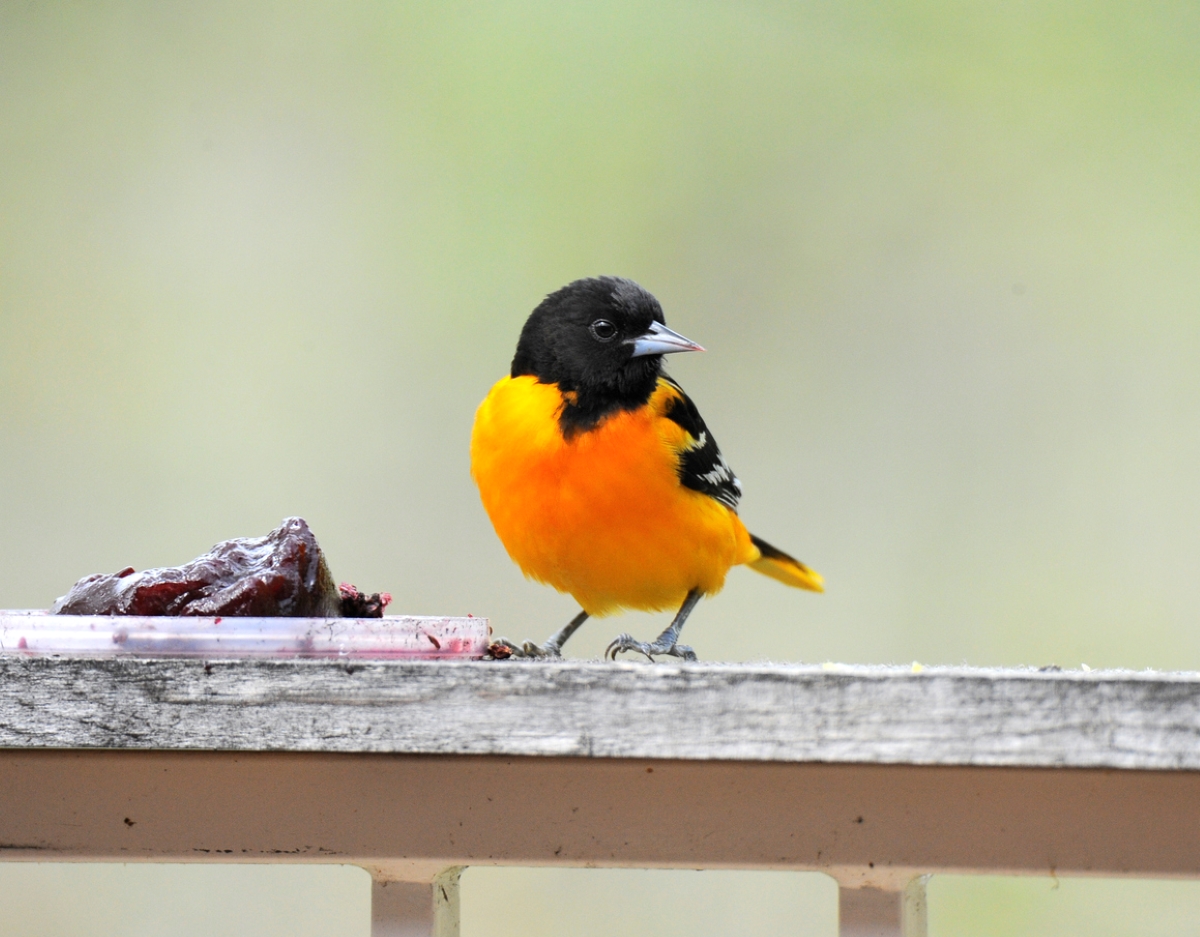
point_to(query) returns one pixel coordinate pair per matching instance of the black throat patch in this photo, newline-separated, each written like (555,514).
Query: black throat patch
(586,408)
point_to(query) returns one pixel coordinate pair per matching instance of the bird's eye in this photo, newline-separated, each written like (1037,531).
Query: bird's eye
(602,330)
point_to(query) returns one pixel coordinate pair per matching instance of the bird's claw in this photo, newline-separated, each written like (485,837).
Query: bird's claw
(626,642)
(503,649)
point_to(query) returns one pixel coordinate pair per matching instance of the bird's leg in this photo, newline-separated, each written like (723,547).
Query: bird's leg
(665,643)
(552,646)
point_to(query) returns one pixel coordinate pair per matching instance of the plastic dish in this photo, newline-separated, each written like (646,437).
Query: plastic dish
(36,632)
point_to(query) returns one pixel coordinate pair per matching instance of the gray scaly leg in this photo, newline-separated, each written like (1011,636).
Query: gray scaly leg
(551,648)
(665,644)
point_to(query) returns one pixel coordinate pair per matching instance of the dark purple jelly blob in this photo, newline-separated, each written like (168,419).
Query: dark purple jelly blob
(281,574)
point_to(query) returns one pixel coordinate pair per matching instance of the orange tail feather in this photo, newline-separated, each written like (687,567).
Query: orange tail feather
(787,569)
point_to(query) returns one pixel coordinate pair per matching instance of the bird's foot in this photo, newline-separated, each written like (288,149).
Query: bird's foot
(550,649)
(626,642)
(503,649)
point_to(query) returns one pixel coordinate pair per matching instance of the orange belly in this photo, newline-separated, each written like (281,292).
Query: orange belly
(602,516)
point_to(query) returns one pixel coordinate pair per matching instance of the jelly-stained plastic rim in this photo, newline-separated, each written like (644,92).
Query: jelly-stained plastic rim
(36,632)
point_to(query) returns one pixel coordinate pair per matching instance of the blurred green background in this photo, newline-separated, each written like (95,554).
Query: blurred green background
(265,259)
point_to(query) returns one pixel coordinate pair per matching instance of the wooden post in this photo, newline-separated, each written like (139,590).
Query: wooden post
(416,909)
(878,912)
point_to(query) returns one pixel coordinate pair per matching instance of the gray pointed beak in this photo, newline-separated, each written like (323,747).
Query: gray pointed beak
(660,340)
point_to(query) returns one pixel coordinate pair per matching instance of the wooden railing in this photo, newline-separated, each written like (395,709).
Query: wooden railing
(879,777)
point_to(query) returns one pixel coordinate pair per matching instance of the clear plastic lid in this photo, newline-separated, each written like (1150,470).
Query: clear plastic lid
(35,632)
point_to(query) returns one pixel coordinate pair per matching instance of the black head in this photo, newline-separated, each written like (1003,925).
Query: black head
(601,341)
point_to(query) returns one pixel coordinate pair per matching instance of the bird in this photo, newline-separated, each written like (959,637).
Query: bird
(601,478)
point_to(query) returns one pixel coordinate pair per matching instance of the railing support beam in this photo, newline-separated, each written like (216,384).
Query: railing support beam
(879,912)
(416,909)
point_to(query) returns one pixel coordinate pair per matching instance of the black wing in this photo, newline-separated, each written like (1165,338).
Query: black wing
(701,465)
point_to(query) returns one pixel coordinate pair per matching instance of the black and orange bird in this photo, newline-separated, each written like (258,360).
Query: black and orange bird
(599,474)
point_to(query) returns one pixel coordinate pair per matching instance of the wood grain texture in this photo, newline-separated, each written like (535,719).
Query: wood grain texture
(782,713)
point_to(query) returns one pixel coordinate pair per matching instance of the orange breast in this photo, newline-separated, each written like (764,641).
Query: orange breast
(602,516)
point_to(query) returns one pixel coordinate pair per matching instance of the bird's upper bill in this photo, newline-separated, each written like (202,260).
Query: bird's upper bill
(660,340)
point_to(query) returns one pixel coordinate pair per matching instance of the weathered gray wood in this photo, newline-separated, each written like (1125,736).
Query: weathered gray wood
(786,713)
